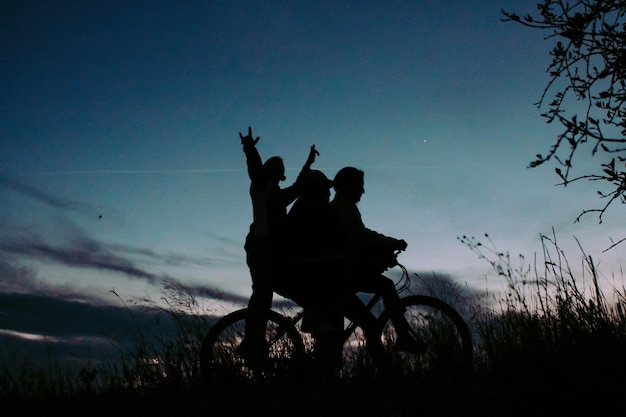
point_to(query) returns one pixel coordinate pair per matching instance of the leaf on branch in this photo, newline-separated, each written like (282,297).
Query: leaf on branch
(560,174)
(587,62)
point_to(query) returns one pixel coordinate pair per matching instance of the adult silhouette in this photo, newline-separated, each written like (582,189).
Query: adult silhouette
(274,268)
(323,275)
(321,278)
(369,252)
(264,244)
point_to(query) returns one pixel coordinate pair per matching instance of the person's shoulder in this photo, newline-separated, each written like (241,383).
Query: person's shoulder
(338,199)
(335,202)
(341,201)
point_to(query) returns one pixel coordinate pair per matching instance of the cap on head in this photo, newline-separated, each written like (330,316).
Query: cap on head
(275,168)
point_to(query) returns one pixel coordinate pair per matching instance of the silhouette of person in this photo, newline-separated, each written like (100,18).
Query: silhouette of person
(271,265)
(322,283)
(308,237)
(264,243)
(308,216)
(318,279)
(369,252)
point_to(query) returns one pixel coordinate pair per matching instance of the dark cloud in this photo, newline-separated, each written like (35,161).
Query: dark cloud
(82,252)
(16,278)
(224,240)
(213,293)
(78,253)
(173,259)
(33,326)
(57,318)
(19,279)
(73,247)
(38,195)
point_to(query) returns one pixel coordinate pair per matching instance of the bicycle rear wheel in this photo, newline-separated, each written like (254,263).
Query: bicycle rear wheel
(448,342)
(220,363)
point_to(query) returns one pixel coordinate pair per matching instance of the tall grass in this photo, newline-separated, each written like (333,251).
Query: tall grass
(550,328)
(550,324)
(155,359)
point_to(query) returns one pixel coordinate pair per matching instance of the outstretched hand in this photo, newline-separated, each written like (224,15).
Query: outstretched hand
(248,140)
(312,154)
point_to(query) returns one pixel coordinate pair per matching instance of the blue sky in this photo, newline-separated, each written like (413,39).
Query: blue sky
(121,163)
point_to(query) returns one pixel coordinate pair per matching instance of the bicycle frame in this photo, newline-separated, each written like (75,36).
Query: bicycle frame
(346,332)
(448,340)
(401,285)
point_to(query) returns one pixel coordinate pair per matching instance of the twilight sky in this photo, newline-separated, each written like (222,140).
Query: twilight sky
(121,164)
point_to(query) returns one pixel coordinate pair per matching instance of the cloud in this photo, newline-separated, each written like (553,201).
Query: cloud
(78,253)
(21,251)
(74,248)
(21,279)
(35,326)
(171,258)
(38,195)
(16,278)
(219,295)
(78,249)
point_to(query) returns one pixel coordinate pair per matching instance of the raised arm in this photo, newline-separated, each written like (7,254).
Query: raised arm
(253,159)
(293,191)
(309,161)
(312,154)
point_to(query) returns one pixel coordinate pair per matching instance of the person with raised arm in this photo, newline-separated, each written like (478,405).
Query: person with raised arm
(264,245)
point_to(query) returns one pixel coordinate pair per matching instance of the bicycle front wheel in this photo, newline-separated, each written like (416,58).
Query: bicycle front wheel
(220,362)
(448,345)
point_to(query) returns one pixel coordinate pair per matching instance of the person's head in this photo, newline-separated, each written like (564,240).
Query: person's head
(349,183)
(315,183)
(275,169)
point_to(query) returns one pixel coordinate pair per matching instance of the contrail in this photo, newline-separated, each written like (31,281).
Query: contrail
(212,170)
(144,171)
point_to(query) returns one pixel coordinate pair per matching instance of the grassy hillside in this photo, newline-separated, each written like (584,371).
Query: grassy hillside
(546,346)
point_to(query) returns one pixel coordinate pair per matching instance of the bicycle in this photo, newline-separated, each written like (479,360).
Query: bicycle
(449,344)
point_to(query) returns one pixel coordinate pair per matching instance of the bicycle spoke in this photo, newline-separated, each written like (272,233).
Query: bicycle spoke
(221,362)
(448,347)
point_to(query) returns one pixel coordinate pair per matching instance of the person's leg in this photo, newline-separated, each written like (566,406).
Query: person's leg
(328,348)
(258,307)
(379,284)
(336,276)
(254,345)
(356,311)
